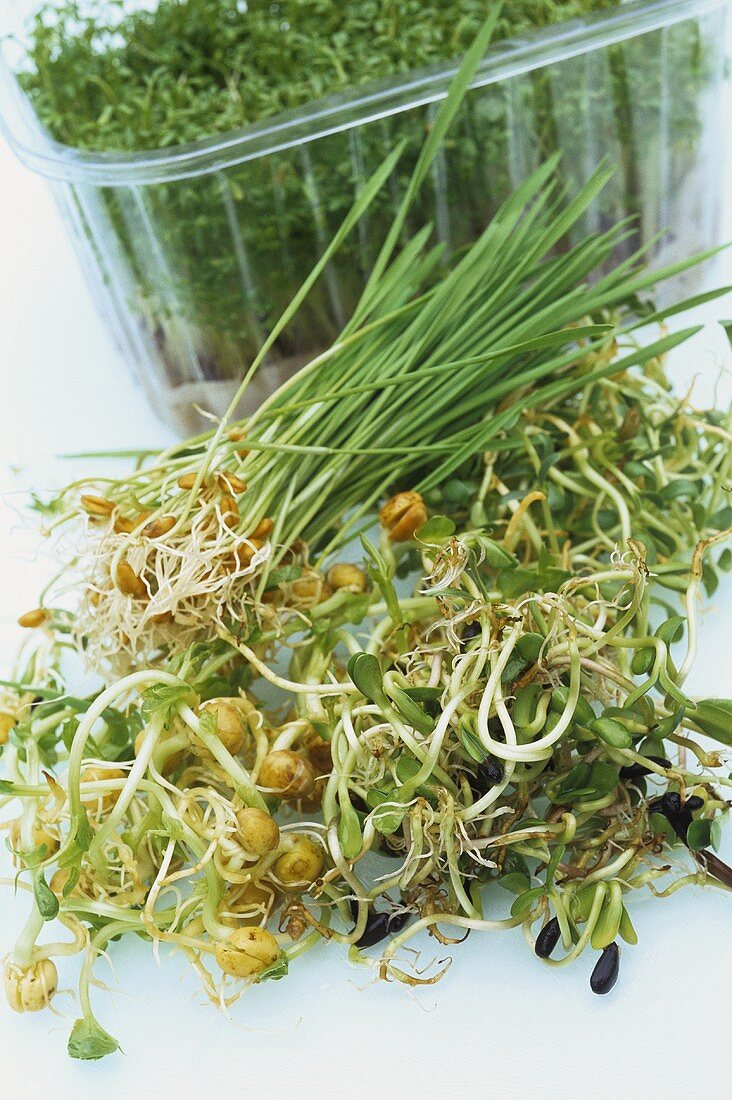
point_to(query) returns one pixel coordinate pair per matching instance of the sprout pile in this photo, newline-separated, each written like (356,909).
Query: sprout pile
(404,652)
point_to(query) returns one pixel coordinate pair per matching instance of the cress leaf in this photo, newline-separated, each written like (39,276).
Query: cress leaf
(90,1042)
(365,673)
(46,900)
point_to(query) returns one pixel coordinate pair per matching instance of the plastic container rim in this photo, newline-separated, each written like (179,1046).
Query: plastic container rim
(331,114)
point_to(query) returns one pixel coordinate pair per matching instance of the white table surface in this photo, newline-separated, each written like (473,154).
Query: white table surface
(499,1024)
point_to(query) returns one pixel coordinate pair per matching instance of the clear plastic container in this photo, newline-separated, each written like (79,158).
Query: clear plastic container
(192,252)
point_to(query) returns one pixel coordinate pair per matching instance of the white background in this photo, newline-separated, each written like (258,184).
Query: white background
(500,1024)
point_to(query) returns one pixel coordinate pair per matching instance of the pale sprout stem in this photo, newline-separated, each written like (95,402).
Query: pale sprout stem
(280,681)
(492,796)
(105,699)
(241,778)
(611,870)
(128,791)
(536,749)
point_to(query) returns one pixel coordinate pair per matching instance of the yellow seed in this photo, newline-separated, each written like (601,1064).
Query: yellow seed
(236,435)
(96,775)
(187,481)
(402,515)
(230,727)
(40,835)
(229,510)
(251,902)
(245,551)
(33,618)
(163,618)
(299,867)
(30,990)
(97,506)
(312,589)
(129,583)
(247,952)
(319,754)
(343,575)
(287,774)
(156,528)
(231,483)
(123,525)
(6,724)
(263,528)
(58,880)
(258,831)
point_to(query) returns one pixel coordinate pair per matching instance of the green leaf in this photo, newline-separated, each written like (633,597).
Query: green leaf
(608,924)
(276,971)
(665,728)
(424,694)
(612,732)
(410,710)
(715,838)
(163,699)
(680,489)
(583,712)
(659,825)
(515,882)
(603,777)
(575,784)
(529,647)
(525,704)
(553,864)
(626,929)
(672,630)
(582,903)
(714,718)
(524,903)
(512,583)
(84,831)
(437,529)
(349,830)
(46,900)
(472,743)
(380,575)
(642,661)
(173,826)
(365,673)
(699,834)
(90,1042)
(386,818)
(496,556)
(6,787)
(459,492)
(514,666)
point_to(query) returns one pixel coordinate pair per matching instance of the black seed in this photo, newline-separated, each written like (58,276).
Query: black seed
(606,971)
(637,771)
(469,631)
(487,775)
(378,925)
(547,939)
(358,803)
(677,813)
